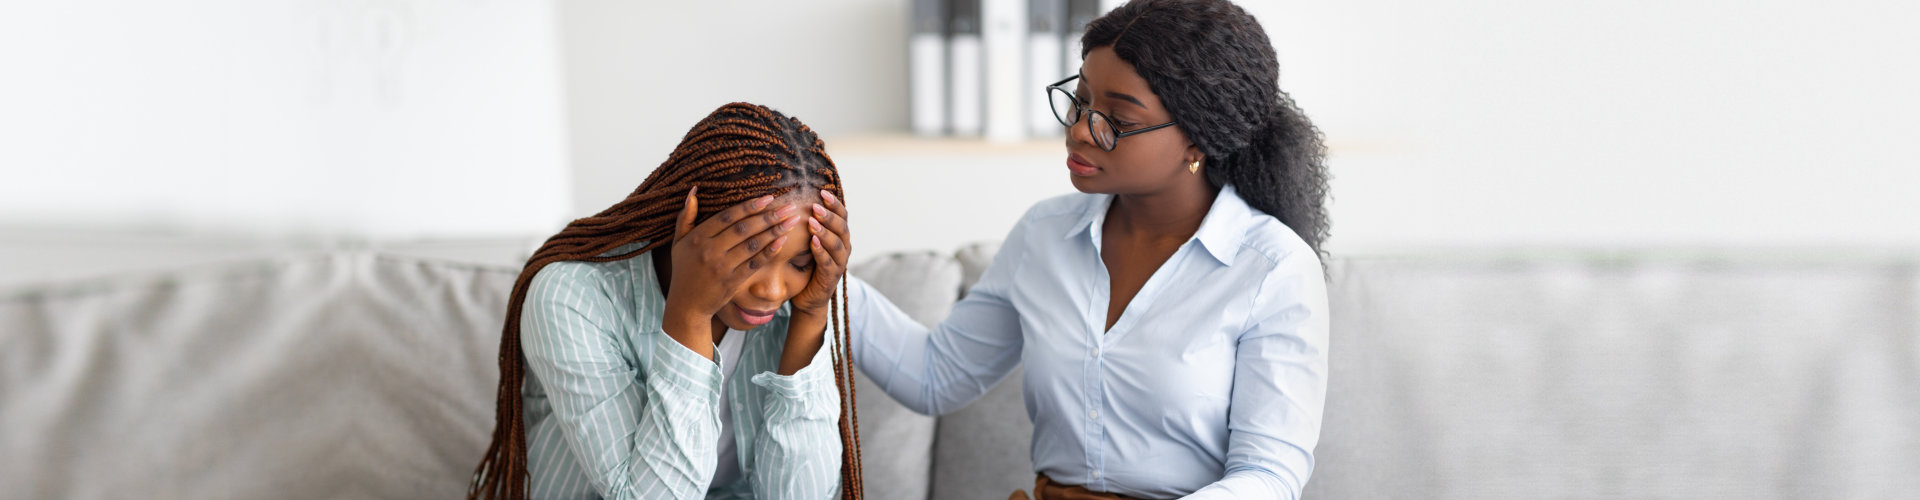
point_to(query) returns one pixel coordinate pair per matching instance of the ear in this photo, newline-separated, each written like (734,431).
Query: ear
(1193,154)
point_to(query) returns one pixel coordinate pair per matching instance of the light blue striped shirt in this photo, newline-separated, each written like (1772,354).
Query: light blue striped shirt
(1211,383)
(615,408)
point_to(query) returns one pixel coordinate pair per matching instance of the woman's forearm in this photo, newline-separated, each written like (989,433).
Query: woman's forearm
(806,332)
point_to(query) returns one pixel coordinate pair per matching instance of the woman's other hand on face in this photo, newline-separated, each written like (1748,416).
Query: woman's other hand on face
(830,244)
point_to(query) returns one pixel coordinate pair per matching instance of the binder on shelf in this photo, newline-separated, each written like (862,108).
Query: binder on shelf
(1003,37)
(1079,13)
(1046,23)
(966,96)
(927,67)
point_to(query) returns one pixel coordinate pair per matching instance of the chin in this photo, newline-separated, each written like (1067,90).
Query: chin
(735,325)
(1086,185)
(1092,185)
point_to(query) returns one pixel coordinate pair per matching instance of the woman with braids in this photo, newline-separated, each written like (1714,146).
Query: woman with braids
(671,345)
(1172,317)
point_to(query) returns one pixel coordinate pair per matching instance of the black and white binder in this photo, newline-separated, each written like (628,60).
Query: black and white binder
(1046,23)
(927,67)
(1003,36)
(966,98)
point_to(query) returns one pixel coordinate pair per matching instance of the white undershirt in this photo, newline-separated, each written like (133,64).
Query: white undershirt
(729,355)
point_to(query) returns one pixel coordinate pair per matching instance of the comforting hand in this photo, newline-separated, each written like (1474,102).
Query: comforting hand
(713,260)
(831,244)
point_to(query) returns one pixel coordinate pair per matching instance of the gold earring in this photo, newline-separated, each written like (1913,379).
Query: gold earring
(1193,168)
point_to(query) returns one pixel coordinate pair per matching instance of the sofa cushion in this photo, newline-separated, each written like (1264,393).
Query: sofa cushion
(896,443)
(1486,377)
(983,450)
(974,259)
(327,375)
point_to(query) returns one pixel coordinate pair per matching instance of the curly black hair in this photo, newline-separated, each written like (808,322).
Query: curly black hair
(1212,65)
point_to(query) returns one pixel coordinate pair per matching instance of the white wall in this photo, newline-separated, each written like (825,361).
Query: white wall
(1456,124)
(1689,123)
(382,119)
(1769,123)
(639,74)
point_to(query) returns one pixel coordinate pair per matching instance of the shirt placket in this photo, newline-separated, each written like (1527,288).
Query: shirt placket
(1092,375)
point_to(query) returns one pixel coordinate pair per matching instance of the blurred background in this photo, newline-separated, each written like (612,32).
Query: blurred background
(217,125)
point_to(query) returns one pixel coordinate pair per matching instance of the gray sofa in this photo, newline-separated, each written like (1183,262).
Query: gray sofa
(367,374)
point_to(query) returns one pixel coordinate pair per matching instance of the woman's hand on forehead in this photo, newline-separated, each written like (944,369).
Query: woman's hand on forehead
(713,259)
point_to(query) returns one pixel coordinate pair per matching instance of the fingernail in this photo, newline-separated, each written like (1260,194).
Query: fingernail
(788,224)
(784,210)
(820,210)
(828,195)
(816,242)
(780,242)
(815,224)
(762,202)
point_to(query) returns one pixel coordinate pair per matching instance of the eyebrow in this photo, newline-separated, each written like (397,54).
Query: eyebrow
(1128,98)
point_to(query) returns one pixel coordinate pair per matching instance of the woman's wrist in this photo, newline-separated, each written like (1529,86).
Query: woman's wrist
(690,329)
(806,332)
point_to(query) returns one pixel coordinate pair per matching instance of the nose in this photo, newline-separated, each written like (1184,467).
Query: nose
(1082,129)
(767,286)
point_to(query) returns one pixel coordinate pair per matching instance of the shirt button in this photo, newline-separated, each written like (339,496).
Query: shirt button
(1096,474)
(1095,414)
(1096,352)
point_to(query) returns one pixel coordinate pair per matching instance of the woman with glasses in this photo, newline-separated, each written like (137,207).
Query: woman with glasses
(1172,317)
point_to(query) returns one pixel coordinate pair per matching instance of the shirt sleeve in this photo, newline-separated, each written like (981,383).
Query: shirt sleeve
(798,453)
(1279,386)
(636,435)
(938,370)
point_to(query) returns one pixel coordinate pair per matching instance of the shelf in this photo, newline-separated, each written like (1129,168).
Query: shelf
(901,142)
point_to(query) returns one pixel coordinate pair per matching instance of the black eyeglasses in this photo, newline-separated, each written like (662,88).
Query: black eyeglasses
(1067,109)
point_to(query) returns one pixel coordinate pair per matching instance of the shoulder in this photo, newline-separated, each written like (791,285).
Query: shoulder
(1292,286)
(575,274)
(570,278)
(1275,244)
(1058,214)
(573,303)
(585,287)
(1069,205)
(1273,240)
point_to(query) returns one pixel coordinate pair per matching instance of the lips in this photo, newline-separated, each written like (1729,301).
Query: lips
(755,317)
(1080,167)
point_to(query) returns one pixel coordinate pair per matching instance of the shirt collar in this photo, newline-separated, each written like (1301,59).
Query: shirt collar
(1221,231)
(1092,213)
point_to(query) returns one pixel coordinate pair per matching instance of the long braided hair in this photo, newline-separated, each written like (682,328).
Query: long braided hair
(739,152)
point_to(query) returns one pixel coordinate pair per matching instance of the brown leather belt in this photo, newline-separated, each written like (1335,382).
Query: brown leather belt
(1045,489)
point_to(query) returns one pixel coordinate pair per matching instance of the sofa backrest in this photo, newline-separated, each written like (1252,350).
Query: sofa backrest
(317,376)
(1572,375)
(330,374)
(1480,376)
(1622,376)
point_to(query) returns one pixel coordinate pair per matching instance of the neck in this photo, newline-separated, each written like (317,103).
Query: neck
(1173,213)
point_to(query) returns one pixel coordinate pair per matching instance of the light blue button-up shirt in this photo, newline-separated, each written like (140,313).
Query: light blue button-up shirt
(1210,384)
